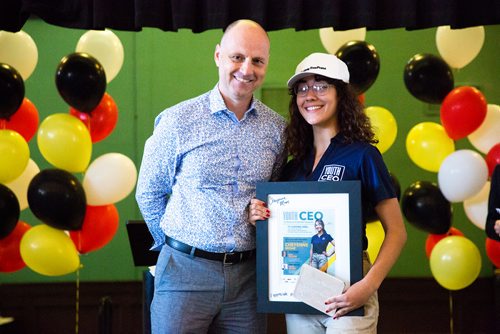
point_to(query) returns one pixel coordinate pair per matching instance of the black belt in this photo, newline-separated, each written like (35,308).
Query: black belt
(226,258)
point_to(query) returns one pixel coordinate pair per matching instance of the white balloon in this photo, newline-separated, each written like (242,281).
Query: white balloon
(488,133)
(333,40)
(462,175)
(476,207)
(106,47)
(109,179)
(458,47)
(18,50)
(20,185)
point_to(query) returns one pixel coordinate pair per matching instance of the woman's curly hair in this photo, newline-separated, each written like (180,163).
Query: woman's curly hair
(354,124)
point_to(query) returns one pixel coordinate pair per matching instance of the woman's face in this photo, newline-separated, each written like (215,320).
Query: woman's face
(318,227)
(317,106)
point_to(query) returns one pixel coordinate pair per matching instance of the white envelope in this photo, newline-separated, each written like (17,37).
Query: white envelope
(314,287)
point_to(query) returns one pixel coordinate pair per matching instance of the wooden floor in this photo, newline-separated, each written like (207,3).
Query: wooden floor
(406,306)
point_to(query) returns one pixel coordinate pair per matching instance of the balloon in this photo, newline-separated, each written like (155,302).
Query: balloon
(81,81)
(384,125)
(10,254)
(333,40)
(106,47)
(455,262)
(24,120)
(98,229)
(425,207)
(375,234)
(493,251)
(428,78)
(428,145)
(493,158)
(9,211)
(363,63)
(20,185)
(14,155)
(49,251)
(109,179)
(57,198)
(459,47)
(462,112)
(65,142)
(462,174)
(476,207)
(18,50)
(433,239)
(102,120)
(11,91)
(487,135)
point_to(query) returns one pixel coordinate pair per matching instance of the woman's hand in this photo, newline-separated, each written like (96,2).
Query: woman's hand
(354,297)
(497,227)
(257,210)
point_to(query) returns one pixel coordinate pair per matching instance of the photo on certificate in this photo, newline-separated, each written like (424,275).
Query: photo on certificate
(313,223)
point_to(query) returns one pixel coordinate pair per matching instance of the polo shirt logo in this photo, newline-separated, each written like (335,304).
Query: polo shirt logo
(332,173)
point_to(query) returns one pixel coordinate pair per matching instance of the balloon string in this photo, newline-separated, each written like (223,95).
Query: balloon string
(451,310)
(77,306)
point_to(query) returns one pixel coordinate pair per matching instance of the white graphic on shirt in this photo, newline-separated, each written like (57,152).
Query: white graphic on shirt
(332,173)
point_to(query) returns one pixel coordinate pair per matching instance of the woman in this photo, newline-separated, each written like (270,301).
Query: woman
(319,243)
(330,139)
(492,227)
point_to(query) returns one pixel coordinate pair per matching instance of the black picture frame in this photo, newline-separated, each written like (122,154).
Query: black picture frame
(344,196)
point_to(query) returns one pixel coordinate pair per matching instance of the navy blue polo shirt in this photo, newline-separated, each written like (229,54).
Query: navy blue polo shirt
(346,162)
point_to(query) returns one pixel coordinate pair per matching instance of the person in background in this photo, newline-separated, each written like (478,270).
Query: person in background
(198,173)
(492,227)
(330,139)
(319,243)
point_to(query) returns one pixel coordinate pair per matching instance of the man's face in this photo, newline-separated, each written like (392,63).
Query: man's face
(242,59)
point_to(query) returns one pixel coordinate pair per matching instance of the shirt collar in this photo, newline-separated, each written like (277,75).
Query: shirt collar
(218,105)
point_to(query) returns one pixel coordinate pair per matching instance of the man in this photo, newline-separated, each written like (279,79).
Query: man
(197,176)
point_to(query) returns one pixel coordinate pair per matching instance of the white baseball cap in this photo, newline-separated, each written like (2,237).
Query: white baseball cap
(324,64)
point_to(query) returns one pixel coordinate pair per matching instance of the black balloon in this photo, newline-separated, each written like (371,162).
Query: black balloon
(57,198)
(428,78)
(425,207)
(363,63)
(81,81)
(11,91)
(370,215)
(9,211)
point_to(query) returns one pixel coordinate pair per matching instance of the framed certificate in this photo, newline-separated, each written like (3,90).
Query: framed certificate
(299,210)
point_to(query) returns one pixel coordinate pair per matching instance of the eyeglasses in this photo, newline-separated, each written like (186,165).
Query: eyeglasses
(319,88)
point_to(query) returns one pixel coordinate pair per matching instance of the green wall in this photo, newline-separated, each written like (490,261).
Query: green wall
(163,68)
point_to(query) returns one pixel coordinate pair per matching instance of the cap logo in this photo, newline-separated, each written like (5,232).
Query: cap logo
(314,68)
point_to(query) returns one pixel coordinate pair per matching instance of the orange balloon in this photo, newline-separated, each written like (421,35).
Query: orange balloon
(25,120)
(10,254)
(99,227)
(493,251)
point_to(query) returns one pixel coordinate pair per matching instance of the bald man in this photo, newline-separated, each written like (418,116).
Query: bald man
(197,176)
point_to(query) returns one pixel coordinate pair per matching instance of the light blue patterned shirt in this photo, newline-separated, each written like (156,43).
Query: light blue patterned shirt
(200,168)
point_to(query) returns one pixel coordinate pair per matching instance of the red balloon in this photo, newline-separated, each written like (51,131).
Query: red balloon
(10,253)
(493,158)
(102,120)
(462,111)
(24,120)
(493,251)
(433,239)
(99,227)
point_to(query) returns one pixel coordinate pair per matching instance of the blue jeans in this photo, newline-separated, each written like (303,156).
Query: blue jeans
(195,295)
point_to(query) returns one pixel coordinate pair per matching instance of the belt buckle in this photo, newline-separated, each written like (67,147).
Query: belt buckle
(226,259)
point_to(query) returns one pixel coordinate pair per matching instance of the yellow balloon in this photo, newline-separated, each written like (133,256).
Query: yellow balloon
(455,262)
(427,145)
(384,125)
(14,155)
(375,234)
(49,251)
(65,142)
